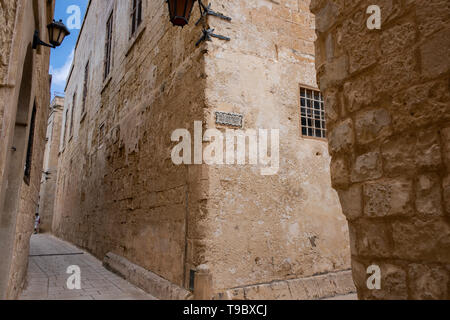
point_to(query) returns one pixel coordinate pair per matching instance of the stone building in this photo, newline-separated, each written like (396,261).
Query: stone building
(223,231)
(388,110)
(50,168)
(24,100)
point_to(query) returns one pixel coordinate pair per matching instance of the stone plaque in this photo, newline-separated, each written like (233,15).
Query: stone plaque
(229,119)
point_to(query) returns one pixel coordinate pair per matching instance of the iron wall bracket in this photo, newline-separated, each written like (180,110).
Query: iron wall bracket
(38,42)
(207,11)
(208,34)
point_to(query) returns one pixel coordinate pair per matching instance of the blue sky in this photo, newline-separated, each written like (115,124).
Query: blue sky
(61,57)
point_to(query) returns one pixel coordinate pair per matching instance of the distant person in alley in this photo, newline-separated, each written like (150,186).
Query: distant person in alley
(37,222)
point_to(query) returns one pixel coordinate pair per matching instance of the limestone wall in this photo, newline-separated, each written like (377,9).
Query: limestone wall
(388,99)
(7,20)
(118,189)
(259,229)
(24,83)
(50,168)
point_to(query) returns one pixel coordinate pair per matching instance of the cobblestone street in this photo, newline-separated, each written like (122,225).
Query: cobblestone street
(47,278)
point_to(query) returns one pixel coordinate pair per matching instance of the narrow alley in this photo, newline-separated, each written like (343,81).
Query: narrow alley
(47,278)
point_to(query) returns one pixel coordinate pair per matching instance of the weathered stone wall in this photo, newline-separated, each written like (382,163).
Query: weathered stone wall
(50,168)
(7,20)
(259,229)
(388,99)
(119,191)
(24,82)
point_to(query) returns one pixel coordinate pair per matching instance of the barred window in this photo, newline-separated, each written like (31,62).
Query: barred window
(108,45)
(136,15)
(312,113)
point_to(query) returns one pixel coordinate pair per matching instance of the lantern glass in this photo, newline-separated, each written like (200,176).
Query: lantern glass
(180,11)
(57,31)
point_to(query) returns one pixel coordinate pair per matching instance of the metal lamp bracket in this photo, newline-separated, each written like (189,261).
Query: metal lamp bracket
(38,42)
(207,11)
(208,34)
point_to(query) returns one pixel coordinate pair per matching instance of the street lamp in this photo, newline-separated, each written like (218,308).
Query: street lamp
(180,13)
(57,31)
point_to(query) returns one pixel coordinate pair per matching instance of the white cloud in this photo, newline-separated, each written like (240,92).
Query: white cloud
(59,75)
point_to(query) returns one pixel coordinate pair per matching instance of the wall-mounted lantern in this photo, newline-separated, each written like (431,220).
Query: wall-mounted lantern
(57,31)
(180,13)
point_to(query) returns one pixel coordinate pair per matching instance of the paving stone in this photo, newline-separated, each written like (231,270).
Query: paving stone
(96,282)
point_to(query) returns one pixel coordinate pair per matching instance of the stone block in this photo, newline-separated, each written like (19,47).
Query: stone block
(341,138)
(363,51)
(420,106)
(372,125)
(145,279)
(333,72)
(398,155)
(388,198)
(398,71)
(263,291)
(393,283)
(322,286)
(432,15)
(395,39)
(340,176)
(428,150)
(357,94)
(367,167)
(352,232)
(351,201)
(331,106)
(428,282)
(326,17)
(391,10)
(428,195)
(374,238)
(308,288)
(422,240)
(445,138)
(360,276)
(435,51)
(446,194)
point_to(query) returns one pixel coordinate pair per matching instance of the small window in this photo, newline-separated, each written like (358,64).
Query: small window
(85,87)
(29,158)
(312,113)
(136,15)
(108,45)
